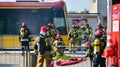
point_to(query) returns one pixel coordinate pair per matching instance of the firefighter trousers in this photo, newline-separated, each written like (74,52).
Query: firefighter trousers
(98,60)
(43,60)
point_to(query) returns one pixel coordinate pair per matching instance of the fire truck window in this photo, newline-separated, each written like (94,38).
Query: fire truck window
(115,1)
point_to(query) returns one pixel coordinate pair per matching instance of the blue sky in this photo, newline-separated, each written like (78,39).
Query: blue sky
(72,5)
(75,5)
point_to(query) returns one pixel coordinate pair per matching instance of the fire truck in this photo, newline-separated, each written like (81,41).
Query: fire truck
(113,36)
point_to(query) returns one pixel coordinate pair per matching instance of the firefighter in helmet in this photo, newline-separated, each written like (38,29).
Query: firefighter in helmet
(59,46)
(74,36)
(42,47)
(100,27)
(24,37)
(52,32)
(96,49)
(88,32)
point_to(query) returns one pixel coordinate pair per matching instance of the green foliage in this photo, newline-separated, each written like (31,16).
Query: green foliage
(85,11)
(73,12)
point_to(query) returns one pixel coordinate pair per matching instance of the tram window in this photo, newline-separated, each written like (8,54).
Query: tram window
(12,19)
(58,12)
(60,25)
(35,18)
(1,26)
(59,21)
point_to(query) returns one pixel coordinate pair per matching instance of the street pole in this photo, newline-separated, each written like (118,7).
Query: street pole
(109,16)
(99,18)
(109,25)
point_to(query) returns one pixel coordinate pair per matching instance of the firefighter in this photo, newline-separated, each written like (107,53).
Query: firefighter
(76,21)
(59,46)
(100,27)
(52,31)
(49,30)
(74,36)
(88,32)
(42,48)
(24,37)
(96,49)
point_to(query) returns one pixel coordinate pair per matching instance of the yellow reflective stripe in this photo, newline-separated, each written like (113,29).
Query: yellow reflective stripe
(24,39)
(97,47)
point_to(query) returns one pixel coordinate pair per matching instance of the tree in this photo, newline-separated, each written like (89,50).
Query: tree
(85,11)
(73,12)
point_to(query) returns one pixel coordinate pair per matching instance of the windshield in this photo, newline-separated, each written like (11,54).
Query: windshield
(115,1)
(11,19)
(59,21)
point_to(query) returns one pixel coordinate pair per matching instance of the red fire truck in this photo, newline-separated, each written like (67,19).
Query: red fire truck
(113,37)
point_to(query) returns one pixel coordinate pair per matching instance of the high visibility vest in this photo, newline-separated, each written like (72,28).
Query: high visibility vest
(88,31)
(60,42)
(54,32)
(73,34)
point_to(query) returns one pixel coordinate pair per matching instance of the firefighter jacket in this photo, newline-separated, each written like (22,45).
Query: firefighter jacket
(97,47)
(52,32)
(24,34)
(75,33)
(59,43)
(103,29)
(42,45)
(88,31)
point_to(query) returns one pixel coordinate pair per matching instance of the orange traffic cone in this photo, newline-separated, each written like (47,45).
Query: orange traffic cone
(51,62)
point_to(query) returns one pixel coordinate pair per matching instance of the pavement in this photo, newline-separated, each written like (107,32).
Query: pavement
(14,59)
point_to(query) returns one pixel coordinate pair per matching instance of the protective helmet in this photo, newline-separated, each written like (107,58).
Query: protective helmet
(24,24)
(53,25)
(99,33)
(57,36)
(87,44)
(43,29)
(96,41)
(99,24)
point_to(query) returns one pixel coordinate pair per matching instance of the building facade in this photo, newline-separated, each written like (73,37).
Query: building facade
(99,6)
